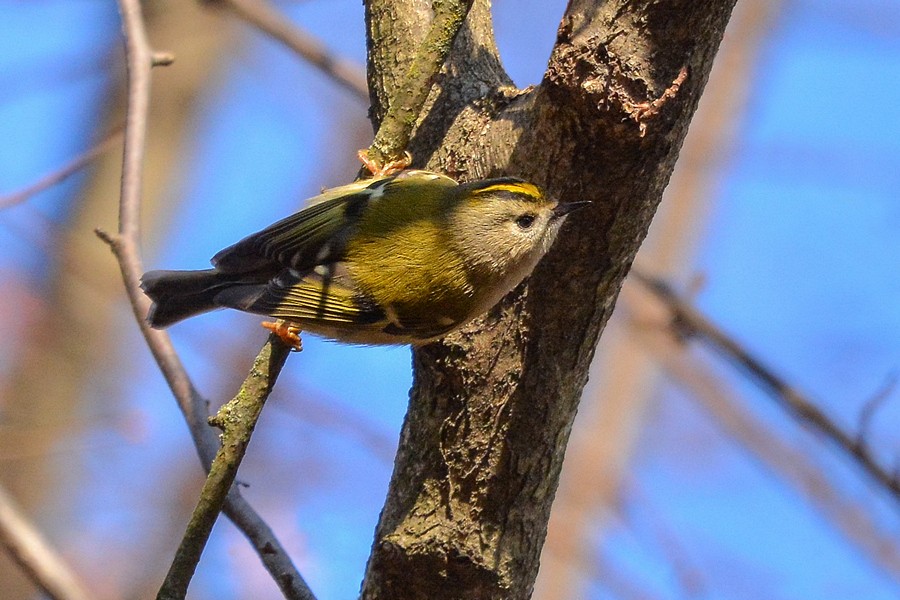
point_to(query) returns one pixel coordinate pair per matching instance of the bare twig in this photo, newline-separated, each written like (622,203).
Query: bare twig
(789,463)
(264,16)
(871,407)
(237,420)
(396,128)
(40,563)
(63,173)
(638,513)
(689,321)
(125,246)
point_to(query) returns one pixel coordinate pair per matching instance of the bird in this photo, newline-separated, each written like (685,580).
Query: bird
(400,259)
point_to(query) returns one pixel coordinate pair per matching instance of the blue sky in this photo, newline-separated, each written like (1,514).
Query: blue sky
(801,255)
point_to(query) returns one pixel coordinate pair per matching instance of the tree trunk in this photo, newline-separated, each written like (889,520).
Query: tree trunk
(492,406)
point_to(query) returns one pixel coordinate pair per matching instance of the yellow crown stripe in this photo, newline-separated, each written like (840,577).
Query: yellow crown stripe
(515,188)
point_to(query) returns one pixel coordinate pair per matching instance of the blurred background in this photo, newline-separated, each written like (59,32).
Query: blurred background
(683,478)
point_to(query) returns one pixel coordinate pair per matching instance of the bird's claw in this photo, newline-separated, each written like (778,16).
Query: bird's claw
(389,168)
(287,332)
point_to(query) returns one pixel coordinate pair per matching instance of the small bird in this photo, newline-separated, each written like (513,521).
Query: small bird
(402,259)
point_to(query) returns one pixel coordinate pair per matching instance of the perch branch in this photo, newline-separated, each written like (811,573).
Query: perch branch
(690,322)
(125,247)
(237,420)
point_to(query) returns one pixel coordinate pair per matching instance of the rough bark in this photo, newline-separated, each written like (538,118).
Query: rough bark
(492,406)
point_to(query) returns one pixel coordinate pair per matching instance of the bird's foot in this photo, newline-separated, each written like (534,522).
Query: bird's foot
(287,332)
(389,168)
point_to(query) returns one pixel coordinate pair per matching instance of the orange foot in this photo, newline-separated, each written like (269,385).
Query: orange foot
(388,168)
(287,332)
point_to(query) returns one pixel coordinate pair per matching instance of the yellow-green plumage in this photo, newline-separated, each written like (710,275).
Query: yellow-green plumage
(402,259)
(407,262)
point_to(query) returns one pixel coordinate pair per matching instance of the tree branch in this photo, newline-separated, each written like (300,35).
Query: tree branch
(492,405)
(690,322)
(125,246)
(40,563)
(236,419)
(651,328)
(63,173)
(408,99)
(264,16)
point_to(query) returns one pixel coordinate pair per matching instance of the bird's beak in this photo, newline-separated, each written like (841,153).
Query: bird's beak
(562,209)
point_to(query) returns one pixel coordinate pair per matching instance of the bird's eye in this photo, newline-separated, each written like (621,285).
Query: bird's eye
(525,221)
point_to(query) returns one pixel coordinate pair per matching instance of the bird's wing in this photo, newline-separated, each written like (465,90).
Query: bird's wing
(317,234)
(322,297)
(314,235)
(317,297)
(324,300)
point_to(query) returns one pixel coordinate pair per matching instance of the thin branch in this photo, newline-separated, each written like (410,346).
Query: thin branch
(789,463)
(690,321)
(125,247)
(264,16)
(641,516)
(40,563)
(396,128)
(236,419)
(63,173)
(867,413)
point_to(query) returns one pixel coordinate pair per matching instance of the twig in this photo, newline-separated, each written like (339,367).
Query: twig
(638,513)
(40,563)
(867,413)
(690,321)
(396,128)
(789,463)
(237,420)
(394,134)
(63,173)
(264,16)
(125,246)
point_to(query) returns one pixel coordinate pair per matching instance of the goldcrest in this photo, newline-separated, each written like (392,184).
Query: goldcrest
(403,259)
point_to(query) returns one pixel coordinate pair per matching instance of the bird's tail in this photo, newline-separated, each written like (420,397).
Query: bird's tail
(178,295)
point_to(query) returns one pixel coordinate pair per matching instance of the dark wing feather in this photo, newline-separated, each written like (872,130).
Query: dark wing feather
(315,235)
(306,299)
